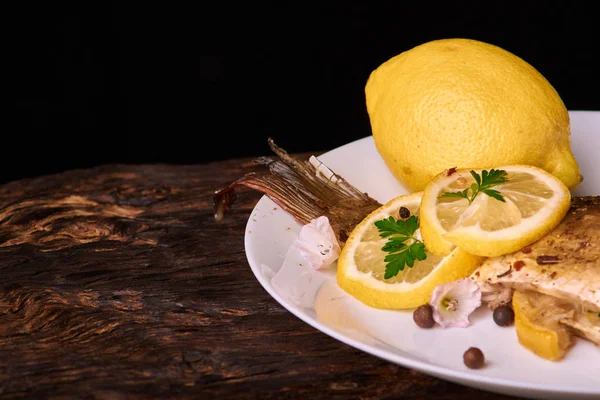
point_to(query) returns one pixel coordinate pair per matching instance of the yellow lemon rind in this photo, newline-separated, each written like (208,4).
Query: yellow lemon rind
(460,103)
(539,340)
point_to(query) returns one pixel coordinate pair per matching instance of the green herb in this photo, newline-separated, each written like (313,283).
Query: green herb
(594,312)
(482,184)
(401,253)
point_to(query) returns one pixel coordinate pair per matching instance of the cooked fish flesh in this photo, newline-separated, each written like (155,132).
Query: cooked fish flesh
(564,265)
(305,189)
(584,326)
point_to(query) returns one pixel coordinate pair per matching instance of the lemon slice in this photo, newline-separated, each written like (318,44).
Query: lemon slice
(538,330)
(361,265)
(535,203)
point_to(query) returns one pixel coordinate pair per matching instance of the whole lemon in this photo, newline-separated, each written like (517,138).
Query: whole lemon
(467,104)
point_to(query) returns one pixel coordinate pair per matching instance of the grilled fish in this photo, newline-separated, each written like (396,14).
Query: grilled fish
(564,265)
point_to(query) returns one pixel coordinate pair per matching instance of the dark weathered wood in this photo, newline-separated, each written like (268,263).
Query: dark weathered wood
(117,283)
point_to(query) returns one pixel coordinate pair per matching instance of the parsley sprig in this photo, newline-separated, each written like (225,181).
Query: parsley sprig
(594,312)
(401,253)
(483,184)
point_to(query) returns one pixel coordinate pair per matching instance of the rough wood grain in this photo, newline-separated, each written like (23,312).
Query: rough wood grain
(117,283)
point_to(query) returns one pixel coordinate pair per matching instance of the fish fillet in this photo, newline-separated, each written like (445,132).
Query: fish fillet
(565,265)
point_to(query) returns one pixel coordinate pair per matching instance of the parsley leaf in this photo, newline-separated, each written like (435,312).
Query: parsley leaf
(594,312)
(402,246)
(483,184)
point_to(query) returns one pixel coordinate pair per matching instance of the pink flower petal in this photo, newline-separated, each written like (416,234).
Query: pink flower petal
(317,243)
(453,302)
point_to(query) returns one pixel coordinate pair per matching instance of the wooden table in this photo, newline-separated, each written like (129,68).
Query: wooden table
(118,283)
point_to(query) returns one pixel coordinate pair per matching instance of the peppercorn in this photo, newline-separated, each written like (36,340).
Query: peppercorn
(404,212)
(504,315)
(473,358)
(423,316)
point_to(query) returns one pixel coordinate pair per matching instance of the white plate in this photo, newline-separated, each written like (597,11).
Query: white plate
(315,298)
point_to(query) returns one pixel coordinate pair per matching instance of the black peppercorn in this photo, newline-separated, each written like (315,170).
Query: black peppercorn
(473,358)
(423,316)
(504,315)
(404,212)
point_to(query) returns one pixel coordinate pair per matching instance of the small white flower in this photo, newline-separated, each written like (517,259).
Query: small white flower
(453,303)
(317,243)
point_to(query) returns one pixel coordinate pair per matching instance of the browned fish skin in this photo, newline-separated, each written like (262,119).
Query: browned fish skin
(301,189)
(564,264)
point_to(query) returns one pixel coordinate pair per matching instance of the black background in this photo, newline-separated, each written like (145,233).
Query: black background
(186,83)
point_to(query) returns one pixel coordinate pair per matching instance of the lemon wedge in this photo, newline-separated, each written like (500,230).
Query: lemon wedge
(537,329)
(361,265)
(534,203)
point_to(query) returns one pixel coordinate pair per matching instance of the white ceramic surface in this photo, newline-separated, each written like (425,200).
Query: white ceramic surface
(314,297)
